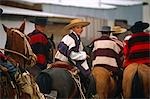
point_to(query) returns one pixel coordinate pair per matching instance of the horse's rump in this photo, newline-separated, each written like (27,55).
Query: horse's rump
(58,79)
(130,81)
(105,84)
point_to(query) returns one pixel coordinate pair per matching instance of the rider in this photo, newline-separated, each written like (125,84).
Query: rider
(118,30)
(70,49)
(108,54)
(137,48)
(39,44)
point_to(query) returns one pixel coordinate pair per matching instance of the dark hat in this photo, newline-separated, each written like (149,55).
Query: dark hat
(40,21)
(139,27)
(1,11)
(106,29)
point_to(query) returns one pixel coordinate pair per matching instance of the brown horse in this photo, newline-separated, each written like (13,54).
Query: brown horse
(106,80)
(136,81)
(105,83)
(18,48)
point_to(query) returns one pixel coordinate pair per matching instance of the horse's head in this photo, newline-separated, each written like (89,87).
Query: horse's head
(52,48)
(17,45)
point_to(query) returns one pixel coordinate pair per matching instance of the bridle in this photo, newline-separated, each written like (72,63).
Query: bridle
(26,46)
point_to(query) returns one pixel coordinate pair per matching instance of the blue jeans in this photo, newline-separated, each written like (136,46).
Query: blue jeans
(11,69)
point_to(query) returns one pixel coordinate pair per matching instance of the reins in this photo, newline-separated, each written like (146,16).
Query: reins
(7,50)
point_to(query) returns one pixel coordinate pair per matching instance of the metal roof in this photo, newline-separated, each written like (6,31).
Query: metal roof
(95,4)
(26,12)
(122,2)
(102,4)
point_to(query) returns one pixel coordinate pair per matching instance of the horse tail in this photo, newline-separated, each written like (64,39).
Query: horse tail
(44,82)
(137,86)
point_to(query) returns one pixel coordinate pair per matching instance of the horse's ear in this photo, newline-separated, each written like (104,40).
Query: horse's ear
(22,27)
(52,37)
(5,28)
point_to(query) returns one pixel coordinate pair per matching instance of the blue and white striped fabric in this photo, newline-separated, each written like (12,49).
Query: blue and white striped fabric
(71,48)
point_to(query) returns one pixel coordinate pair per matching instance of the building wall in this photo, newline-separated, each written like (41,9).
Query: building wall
(130,13)
(146,13)
(15,21)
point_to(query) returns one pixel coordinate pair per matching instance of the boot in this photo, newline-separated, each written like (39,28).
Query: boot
(91,88)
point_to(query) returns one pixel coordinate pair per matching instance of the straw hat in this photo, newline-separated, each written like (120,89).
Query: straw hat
(118,30)
(105,29)
(76,22)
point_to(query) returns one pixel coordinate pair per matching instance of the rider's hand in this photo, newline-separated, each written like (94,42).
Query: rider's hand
(87,56)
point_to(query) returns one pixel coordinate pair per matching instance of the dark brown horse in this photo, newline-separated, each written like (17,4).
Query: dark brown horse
(60,80)
(18,48)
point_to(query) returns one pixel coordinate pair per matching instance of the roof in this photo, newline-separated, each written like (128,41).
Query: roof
(122,2)
(26,12)
(102,4)
(76,3)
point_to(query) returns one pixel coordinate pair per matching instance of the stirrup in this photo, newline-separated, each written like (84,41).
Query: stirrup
(52,95)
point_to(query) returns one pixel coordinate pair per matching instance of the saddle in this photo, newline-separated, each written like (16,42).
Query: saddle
(61,64)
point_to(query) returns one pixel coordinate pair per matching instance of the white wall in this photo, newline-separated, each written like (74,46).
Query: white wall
(146,12)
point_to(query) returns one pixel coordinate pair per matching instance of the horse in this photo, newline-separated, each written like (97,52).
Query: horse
(136,81)
(60,81)
(52,48)
(105,79)
(17,47)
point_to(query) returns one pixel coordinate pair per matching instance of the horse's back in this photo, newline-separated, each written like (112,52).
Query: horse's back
(105,84)
(129,75)
(57,79)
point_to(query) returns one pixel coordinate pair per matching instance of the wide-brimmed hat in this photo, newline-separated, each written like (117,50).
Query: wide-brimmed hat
(118,30)
(105,29)
(139,27)
(1,11)
(40,21)
(76,22)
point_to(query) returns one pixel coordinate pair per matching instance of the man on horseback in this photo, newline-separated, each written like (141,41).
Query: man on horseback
(136,82)
(108,53)
(138,46)
(70,49)
(39,44)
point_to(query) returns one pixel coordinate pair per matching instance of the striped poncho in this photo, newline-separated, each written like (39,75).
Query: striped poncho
(70,49)
(39,45)
(137,49)
(107,53)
